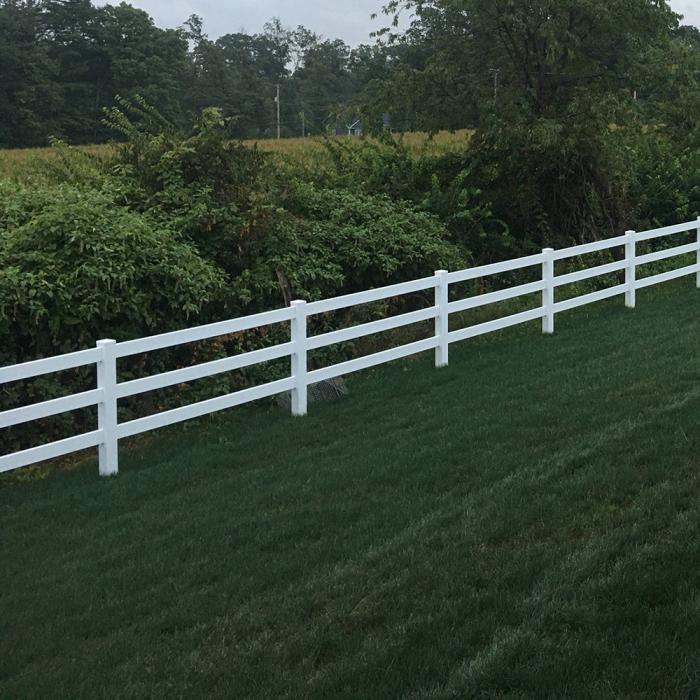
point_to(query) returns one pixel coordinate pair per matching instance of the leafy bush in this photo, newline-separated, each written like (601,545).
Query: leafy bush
(180,230)
(331,242)
(76,267)
(213,192)
(666,187)
(253,221)
(438,183)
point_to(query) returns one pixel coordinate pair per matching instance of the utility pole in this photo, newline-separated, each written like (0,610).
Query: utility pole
(303,125)
(496,73)
(279,126)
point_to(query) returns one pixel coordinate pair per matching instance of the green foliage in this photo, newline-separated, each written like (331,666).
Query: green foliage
(561,181)
(77,267)
(174,230)
(563,150)
(330,242)
(544,50)
(30,97)
(62,62)
(440,184)
(254,222)
(666,185)
(214,192)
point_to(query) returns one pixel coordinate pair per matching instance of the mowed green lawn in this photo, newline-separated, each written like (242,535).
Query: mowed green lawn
(525,523)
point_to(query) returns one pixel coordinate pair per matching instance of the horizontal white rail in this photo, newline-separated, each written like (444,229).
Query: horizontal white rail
(348,300)
(588,248)
(494,297)
(36,368)
(50,451)
(386,324)
(203,408)
(207,369)
(666,231)
(668,253)
(53,407)
(591,272)
(497,325)
(590,298)
(495,268)
(667,276)
(378,358)
(191,335)
(105,356)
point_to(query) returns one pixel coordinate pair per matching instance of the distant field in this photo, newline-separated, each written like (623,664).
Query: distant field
(419,139)
(22,163)
(25,163)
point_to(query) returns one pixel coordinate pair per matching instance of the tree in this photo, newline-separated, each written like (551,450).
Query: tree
(142,59)
(29,95)
(63,61)
(558,149)
(322,82)
(239,73)
(545,50)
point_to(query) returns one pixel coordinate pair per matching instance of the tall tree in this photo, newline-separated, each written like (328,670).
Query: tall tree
(559,130)
(30,102)
(542,50)
(322,82)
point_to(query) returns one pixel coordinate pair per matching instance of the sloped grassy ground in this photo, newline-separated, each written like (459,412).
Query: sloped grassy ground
(525,523)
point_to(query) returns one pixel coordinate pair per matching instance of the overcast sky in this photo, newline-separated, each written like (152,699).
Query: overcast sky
(348,19)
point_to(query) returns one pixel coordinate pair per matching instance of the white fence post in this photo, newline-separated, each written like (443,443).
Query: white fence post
(697,278)
(442,320)
(299,368)
(631,269)
(107,408)
(548,291)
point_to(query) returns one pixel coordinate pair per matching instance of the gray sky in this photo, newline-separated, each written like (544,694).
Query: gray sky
(348,20)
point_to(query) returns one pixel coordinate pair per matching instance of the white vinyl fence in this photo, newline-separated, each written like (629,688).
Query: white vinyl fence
(105,356)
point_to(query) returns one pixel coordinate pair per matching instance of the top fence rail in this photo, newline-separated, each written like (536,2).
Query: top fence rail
(108,390)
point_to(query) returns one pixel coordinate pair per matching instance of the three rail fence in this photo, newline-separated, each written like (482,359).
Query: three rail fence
(108,391)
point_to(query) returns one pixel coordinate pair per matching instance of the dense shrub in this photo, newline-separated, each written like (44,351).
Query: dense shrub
(76,267)
(331,242)
(438,183)
(215,193)
(255,222)
(666,187)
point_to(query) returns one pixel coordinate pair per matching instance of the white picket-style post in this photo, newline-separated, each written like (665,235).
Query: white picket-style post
(631,269)
(548,291)
(697,277)
(299,363)
(107,408)
(442,320)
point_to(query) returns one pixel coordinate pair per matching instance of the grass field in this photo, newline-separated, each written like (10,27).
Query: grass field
(524,523)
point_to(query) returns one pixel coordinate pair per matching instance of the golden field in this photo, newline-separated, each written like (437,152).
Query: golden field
(23,164)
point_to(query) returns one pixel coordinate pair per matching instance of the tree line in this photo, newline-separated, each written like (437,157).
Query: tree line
(62,62)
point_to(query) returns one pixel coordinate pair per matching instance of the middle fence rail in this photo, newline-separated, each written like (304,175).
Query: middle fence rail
(105,356)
